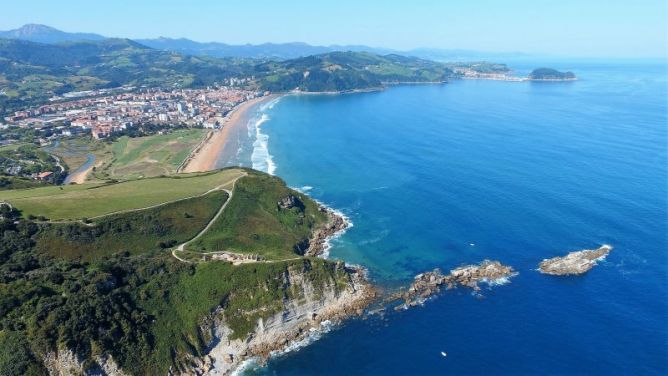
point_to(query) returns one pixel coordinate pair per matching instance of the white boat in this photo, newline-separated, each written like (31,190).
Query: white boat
(444,354)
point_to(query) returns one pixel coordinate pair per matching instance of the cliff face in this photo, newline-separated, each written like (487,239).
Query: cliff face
(314,306)
(66,363)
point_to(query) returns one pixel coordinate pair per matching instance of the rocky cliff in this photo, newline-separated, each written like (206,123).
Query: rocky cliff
(314,307)
(66,363)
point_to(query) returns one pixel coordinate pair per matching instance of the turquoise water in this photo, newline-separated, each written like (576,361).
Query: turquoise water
(441,175)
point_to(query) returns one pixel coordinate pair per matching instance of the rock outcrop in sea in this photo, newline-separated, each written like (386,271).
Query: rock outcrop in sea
(427,284)
(574,263)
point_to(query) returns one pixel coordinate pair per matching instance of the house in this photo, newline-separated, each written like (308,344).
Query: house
(44,176)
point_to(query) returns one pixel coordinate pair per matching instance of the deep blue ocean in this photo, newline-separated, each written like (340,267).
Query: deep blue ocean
(442,175)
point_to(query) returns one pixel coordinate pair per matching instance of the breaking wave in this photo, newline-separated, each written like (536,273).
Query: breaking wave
(260,158)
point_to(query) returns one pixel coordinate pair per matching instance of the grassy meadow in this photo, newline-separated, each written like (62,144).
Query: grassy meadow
(95,199)
(134,232)
(152,155)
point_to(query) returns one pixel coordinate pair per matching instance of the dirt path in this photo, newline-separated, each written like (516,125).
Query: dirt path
(230,194)
(234,258)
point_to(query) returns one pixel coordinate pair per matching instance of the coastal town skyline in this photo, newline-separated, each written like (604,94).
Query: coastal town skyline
(546,28)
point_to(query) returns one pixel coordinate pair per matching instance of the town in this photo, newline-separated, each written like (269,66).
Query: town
(105,112)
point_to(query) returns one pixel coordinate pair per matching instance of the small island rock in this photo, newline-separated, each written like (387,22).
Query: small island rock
(574,263)
(549,74)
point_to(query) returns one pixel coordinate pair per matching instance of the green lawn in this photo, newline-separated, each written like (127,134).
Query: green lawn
(90,200)
(134,232)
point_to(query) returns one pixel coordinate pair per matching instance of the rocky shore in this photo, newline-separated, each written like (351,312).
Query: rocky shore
(574,263)
(430,283)
(336,225)
(298,320)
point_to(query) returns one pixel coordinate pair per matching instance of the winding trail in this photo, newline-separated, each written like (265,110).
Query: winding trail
(230,194)
(234,258)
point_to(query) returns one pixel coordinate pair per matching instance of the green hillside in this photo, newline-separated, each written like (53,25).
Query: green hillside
(343,71)
(254,223)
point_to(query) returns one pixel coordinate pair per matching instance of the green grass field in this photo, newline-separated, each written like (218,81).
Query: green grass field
(152,155)
(253,223)
(90,200)
(133,232)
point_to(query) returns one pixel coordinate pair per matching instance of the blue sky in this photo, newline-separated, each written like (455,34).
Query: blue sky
(588,28)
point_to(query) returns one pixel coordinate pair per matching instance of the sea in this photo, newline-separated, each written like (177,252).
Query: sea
(438,176)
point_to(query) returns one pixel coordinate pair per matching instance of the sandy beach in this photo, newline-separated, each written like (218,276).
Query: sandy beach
(205,155)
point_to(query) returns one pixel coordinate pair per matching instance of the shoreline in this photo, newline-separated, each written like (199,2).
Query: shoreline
(205,155)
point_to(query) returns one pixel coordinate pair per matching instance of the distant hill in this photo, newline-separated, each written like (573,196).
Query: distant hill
(267,51)
(284,51)
(271,51)
(46,34)
(345,71)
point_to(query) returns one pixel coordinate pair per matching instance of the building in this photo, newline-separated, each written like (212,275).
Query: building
(44,176)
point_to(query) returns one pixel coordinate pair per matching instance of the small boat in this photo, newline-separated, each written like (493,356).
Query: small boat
(444,354)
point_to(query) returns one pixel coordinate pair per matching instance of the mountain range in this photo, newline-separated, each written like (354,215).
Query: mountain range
(273,51)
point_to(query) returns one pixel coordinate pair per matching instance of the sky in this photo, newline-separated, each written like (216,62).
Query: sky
(584,28)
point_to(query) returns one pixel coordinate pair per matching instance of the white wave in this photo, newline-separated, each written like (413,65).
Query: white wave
(260,158)
(269,105)
(304,189)
(498,281)
(245,365)
(328,242)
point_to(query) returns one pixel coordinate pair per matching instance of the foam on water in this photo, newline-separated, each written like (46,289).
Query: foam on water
(260,158)
(313,335)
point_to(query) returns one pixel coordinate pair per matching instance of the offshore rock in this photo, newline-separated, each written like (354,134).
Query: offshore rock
(574,263)
(427,284)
